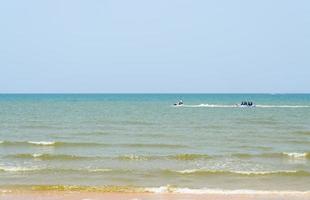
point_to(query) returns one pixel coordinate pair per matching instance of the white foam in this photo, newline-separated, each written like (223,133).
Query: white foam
(210,106)
(36,155)
(237,106)
(283,106)
(191,171)
(41,142)
(296,155)
(169,189)
(263,172)
(161,189)
(16,169)
(100,170)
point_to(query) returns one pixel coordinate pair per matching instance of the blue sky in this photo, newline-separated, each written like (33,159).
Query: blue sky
(155,46)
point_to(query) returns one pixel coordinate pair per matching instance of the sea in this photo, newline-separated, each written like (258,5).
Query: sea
(129,142)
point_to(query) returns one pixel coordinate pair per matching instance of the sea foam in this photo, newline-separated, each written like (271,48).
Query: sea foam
(297,155)
(16,169)
(47,143)
(170,189)
(246,173)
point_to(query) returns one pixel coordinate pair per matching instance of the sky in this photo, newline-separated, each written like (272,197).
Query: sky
(155,46)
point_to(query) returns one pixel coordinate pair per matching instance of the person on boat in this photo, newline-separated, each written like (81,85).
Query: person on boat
(179,103)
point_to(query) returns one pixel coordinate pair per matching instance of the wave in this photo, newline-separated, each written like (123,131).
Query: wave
(101,170)
(299,141)
(160,190)
(44,143)
(136,157)
(294,155)
(142,145)
(129,157)
(170,189)
(205,172)
(302,132)
(17,169)
(58,170)
(76,157)
(201,172)
(236,106)
(255,147)
(49,156)
(177,157)
(189,156)
(91,144)
(180,157)
(297,155)
(105,189)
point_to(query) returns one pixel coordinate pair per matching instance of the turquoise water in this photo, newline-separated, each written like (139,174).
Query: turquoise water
(141,140)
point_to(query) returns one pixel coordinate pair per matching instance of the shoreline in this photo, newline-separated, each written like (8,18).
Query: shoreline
(163,193)
(92,195)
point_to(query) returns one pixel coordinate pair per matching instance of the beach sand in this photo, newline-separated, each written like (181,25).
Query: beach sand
(75,195)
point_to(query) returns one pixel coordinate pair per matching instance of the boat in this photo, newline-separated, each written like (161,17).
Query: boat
(246,104)
(179,103)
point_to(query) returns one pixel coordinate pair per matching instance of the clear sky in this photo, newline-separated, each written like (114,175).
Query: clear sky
(155,46)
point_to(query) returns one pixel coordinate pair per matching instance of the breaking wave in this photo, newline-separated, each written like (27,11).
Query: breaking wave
(57,170)
(180,157)
(17,169)
(206,172)
(91,144)
(292,155)
(49,156)
(44,143)
(170,189)
(189,156)
(161,190)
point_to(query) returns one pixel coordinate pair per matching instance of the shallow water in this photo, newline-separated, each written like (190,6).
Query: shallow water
(142,140)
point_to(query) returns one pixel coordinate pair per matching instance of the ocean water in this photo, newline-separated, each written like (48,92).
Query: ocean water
(142,141)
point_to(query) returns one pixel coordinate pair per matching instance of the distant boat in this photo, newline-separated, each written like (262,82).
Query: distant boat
(179,103)
(246,104)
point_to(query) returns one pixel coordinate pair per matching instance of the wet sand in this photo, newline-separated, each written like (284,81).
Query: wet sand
(75,195)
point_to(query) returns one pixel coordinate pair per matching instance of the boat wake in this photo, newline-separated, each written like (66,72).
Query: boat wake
(238,106)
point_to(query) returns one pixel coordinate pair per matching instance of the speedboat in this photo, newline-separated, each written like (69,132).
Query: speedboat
(246,104)
(179,103)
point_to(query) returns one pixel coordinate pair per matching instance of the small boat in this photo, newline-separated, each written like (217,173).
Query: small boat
(246,104)
(179,103)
